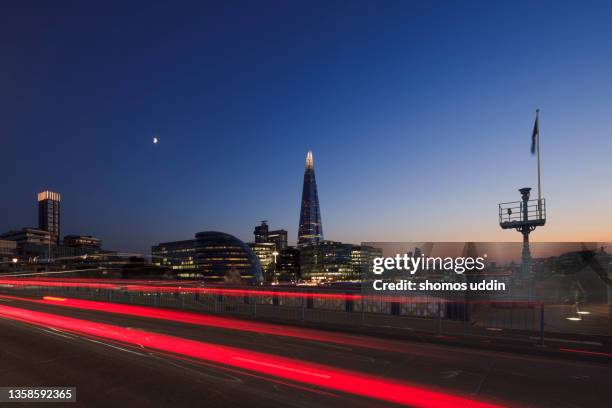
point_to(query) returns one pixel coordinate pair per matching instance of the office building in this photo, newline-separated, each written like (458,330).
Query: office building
(34,243)
(31,236)
(288,265)
(362,258)
(177,255)
(267,254)
(331,261)
(326,261)
(49,213)
(261,232)
(264,236)
(278,238)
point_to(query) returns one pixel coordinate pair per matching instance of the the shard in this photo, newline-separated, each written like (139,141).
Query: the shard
(310,230)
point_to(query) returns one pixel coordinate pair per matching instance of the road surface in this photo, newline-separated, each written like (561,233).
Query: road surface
(107,373)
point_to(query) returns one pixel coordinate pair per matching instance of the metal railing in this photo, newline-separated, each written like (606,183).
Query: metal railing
(433,315)
(513,212)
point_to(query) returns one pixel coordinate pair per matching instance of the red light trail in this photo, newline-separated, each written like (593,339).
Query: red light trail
(586,352)
(221,322)
(290,369)
(63,283)
(182,287)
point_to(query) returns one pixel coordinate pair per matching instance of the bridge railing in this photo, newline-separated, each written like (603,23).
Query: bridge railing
(427,315)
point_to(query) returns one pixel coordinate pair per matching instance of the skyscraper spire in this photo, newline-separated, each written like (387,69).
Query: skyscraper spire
(309,161)
(311,229)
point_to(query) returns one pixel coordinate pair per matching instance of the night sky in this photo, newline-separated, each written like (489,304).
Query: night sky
(419,115)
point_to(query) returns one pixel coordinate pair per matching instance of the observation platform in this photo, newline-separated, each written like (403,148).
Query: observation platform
(519,214)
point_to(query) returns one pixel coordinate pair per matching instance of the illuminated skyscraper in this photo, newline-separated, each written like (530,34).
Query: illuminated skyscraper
(49,214)
(311,229)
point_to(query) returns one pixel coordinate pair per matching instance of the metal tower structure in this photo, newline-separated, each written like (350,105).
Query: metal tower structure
(523,216)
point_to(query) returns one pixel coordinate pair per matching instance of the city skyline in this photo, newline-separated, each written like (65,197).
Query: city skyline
(425,139)
(161,231)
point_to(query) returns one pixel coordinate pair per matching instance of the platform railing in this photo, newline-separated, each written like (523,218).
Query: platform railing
(512,212)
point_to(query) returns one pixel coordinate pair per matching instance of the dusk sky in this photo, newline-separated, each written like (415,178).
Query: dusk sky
(419,115)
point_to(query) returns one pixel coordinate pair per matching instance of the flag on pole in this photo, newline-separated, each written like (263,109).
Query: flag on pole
(534,134)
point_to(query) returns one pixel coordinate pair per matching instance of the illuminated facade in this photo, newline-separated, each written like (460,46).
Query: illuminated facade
(177,255)
(49,213)
(265,253)
(212,255)
(362,258)
(326,261)
(310,230)
(331,261)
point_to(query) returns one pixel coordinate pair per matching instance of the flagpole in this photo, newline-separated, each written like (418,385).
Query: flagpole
(538,149)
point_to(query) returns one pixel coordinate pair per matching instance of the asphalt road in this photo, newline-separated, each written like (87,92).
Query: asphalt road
(111,374)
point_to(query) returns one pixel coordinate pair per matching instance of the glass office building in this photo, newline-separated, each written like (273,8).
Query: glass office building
(331,261)
(213,256)
(266,253)
(327,261)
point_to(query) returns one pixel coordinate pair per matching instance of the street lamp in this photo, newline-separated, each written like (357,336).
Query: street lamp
(275,278)
(14,260)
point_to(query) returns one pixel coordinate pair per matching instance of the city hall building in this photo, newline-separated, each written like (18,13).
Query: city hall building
(212,255)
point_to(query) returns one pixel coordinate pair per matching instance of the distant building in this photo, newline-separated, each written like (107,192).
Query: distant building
(265,252)
(288,265)
(82,241)
(35,243)
(42,244)
(326,261)
(278,238)
(264,235)
(178,255)
(28,235)
(331,261)
(212,255)
(261,232)
(310,229)
(137,268)
(49,213)
(7,249)
(362,258)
